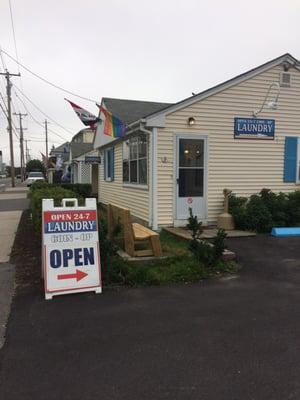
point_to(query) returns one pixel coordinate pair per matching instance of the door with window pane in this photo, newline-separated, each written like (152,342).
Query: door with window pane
(190,179)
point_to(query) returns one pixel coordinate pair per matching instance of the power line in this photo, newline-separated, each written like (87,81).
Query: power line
(6,114)
(35,120)
(45,80)
(13,29)
(47,116)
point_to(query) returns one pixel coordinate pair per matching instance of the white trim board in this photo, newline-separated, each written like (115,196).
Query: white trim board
(158,118)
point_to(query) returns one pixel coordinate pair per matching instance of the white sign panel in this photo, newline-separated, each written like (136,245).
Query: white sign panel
(71,256)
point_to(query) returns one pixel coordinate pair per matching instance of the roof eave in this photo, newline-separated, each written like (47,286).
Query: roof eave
(158,119)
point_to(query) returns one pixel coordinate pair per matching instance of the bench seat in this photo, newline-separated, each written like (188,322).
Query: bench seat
(133,232)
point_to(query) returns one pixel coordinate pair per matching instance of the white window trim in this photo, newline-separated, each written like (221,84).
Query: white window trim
(136,184)
(107,178)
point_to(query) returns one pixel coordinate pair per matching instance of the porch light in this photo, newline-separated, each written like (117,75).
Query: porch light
(191,121)
(273,104)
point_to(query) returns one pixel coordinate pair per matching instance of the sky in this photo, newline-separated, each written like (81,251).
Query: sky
(158,50)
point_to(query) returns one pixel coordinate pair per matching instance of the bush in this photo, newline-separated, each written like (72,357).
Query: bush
(108,250)
(49,192)
(194,225)
(203,252)
(38,185)
(237,207)
(81,189)
(293,208)
(264,210)
(258,217)
(219,243)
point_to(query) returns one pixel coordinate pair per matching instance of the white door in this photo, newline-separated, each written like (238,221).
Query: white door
(190,177)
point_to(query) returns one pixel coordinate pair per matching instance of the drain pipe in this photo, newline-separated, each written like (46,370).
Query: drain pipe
(153,188)
(154,180)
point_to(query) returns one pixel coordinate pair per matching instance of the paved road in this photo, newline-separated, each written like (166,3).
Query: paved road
(230,339)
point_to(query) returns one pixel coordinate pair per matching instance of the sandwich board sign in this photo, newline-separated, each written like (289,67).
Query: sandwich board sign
(71,255)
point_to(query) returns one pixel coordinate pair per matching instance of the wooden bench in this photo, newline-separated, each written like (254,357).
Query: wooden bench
(133,233)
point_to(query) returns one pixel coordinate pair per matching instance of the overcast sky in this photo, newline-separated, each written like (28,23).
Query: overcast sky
(158,50)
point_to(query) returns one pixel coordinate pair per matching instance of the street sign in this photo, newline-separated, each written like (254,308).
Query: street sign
(92,160)
(71,256)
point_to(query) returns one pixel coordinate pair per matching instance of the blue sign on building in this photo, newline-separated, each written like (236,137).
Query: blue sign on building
(252,128)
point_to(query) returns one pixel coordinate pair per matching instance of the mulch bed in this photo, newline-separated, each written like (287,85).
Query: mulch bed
(26,253)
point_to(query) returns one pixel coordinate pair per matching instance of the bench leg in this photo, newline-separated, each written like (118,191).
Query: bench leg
(155,244)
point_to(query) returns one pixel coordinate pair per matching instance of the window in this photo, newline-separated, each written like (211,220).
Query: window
(109,164)
(135,169)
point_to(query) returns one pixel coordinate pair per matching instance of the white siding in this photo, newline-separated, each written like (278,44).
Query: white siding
(134,198)
(244,166)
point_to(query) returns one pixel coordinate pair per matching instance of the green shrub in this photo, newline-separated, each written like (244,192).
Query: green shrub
(219,243)
(49,192)
(237,208)
(108,249)
(259,218)
(194,225)
(264,210)
(203,252)
(277,205)
(81,189)
(38,185)
(293,208)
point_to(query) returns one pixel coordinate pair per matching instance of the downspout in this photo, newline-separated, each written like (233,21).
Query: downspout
(154,179)
(153,188)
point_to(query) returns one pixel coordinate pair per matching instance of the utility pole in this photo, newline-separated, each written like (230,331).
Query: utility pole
(27,152)
(11,143)
(22,159)
(46,133)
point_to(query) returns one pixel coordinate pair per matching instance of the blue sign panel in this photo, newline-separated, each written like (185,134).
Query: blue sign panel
(252,128)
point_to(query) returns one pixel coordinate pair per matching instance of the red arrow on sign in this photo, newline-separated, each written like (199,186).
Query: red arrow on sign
(78,275)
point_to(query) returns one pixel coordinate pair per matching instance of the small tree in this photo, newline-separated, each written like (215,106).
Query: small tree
(194,225)
(35,165)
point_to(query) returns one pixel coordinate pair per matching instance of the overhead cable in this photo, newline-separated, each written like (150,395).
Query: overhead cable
(45,80)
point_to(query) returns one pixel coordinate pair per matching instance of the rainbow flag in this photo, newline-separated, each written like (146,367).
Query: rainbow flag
(113,127)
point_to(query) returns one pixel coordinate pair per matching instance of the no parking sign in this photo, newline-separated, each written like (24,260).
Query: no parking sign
(71,256)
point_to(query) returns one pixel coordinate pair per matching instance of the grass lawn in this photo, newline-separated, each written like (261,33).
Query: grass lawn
(180,266)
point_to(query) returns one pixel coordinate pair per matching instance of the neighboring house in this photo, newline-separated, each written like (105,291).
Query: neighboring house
(61,152)
(82,159)
(243,134)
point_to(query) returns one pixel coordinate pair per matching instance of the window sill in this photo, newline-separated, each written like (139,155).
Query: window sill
(135,186)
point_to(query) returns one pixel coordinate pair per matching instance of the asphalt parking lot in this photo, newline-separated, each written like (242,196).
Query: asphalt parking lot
(233,338)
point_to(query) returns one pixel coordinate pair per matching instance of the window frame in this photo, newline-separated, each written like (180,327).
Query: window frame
(109,171)
(128,142)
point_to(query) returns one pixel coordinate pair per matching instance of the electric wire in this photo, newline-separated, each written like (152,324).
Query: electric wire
(14,128)
(45,80)
(35,120)
(41,111)
(14,33)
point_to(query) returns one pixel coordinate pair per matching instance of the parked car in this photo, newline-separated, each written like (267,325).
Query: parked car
(33,177)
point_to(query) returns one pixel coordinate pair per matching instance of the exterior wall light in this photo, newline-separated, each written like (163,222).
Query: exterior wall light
(191,121)
(273,104)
